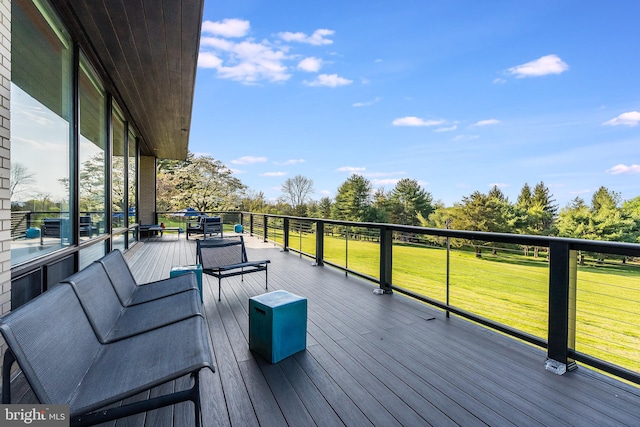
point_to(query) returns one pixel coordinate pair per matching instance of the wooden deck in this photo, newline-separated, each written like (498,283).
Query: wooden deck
(379,360)
(382,360)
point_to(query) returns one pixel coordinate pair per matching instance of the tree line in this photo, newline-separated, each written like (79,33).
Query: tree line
(208,185)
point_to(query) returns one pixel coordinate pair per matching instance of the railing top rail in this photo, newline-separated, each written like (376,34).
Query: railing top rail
(619,248)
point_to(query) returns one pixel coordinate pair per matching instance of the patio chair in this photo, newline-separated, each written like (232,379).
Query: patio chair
(226,257)
(207,226)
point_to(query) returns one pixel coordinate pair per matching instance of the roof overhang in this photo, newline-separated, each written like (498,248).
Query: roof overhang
(148,53)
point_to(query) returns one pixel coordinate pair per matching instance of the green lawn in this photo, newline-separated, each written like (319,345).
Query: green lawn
(510,289)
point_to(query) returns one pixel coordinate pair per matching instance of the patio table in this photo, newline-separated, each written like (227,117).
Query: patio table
(162,230)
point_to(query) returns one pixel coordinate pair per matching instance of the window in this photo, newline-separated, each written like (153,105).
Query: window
(91,153)
(132,183)
(41,148)
(118,191)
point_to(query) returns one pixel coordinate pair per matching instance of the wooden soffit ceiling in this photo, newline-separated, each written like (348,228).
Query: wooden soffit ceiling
(148,51)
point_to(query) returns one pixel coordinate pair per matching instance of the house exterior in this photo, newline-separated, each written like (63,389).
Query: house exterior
(92,94)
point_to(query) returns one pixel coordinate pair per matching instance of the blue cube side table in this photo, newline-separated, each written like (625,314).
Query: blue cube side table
(182,269)
(277,325)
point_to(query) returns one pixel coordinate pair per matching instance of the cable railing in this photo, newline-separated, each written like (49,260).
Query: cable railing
(579,299)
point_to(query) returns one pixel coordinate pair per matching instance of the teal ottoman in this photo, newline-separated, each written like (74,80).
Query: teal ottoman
(277,325)
(182,269)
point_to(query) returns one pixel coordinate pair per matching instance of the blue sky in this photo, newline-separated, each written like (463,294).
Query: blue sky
(458,95)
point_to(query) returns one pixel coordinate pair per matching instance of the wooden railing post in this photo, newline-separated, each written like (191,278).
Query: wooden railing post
(319,244)
(562,315)
(386,259)
(285,234)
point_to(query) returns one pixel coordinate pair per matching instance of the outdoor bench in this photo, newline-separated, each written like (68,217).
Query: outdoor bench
(130,292)
(65,362)
(112,321)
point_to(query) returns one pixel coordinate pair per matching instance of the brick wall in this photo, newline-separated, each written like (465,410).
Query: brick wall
(5,160)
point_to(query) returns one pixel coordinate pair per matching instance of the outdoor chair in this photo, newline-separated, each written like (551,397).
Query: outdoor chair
(130,292)
(87,227)
(112,321)
(65,363)
(226,257)
(207,226)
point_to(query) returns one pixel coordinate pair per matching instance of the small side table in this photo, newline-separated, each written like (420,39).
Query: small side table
(183,269)
(277,325)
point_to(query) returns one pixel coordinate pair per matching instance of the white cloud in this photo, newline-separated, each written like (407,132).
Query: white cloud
(248,160)
(387,181)
(446,129)
(351,169)
(499,185)
(367,103)
(217,43)
(329,80)
(631,118)
(273,174)
(289,162)
(624,169)
(416,121)
(227,27)
(549,64)
(208,60)
(325,192)
(318,37)
(486,122)
(499,81)
(252,62)
(247,62)
(310,64)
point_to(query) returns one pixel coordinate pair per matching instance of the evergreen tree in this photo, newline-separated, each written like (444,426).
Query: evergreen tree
(353,200)
(407,200)
(525,198)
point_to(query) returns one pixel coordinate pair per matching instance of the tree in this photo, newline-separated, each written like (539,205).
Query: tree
(574,220)
(381,206)
(324,208)
(353,200)
(407,200)
(481,212)
(604,199)
(296,191)
(20,182)
(202,183)
(253,201)
(525,197)
(92,184)
(631,208)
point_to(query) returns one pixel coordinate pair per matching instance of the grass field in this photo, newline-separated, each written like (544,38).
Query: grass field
(509,288)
